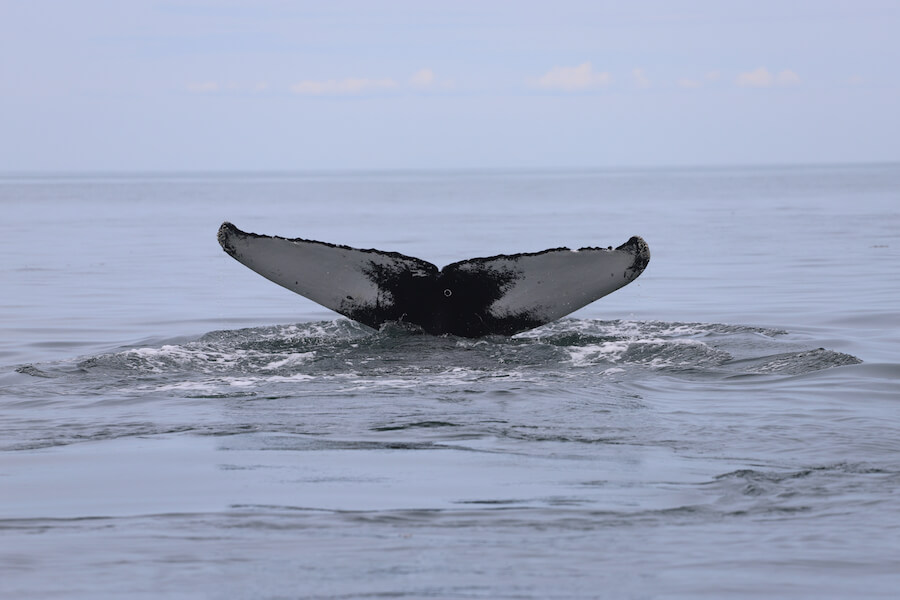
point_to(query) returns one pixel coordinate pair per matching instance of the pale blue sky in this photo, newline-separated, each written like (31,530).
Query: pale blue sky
(268,84)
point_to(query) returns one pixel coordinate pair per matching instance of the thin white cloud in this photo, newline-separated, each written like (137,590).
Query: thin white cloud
(203,87)
(640,78)
(423,78)
(350,85)
(572,79)
(426,79)
(761,77)
(698,81)
(757,78)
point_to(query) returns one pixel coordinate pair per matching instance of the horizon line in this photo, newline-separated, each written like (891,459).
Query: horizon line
(433,170)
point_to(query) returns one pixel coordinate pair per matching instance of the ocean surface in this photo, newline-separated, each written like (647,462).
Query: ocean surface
(726,426)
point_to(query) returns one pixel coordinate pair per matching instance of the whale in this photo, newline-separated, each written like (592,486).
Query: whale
(497,295)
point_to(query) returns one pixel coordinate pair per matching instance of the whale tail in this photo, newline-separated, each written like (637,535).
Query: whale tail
(503,294)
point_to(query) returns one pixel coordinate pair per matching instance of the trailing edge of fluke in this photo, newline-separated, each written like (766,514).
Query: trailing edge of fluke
(503,294)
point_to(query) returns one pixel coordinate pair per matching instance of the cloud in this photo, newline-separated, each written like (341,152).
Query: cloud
(757,78)
(351,85)
(422,78)
(203,87)
(708,78)
(761,77)
(426,79)
(640,78)
(571,79)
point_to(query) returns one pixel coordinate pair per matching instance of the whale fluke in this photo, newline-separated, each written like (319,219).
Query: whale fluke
(504,294)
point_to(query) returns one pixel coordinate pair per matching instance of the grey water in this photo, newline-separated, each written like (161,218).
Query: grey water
(726,426)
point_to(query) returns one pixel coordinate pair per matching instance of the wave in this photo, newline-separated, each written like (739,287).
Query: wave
(209,385)
(346,355)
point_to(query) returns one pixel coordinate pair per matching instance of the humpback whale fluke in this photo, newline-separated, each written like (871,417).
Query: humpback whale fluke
(504,294)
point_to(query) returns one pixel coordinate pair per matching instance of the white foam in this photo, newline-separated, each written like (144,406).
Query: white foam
(581,356)
(184,386)
(290,360)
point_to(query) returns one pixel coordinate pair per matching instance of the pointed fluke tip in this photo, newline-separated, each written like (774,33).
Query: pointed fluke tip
(225,234)
(641,251)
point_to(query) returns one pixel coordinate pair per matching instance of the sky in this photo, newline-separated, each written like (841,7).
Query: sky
(223,85)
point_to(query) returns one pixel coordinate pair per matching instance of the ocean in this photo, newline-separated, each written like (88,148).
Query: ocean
(726,426)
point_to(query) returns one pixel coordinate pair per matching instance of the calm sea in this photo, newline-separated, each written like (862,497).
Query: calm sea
(727,426)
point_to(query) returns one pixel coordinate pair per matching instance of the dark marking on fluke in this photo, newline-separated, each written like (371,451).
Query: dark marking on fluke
(446,301)
(503,294)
